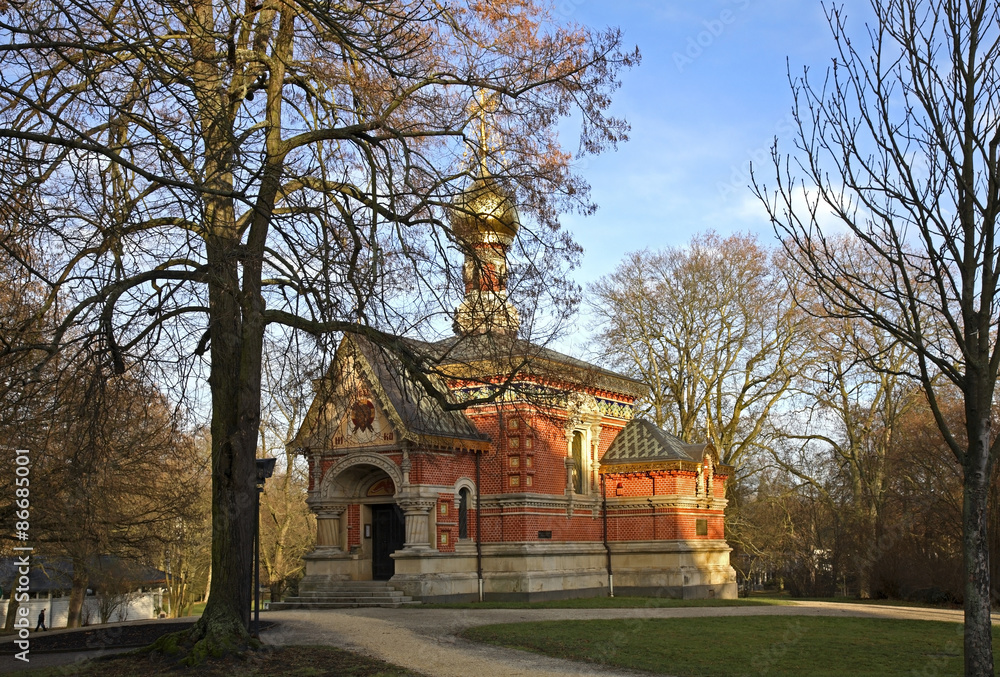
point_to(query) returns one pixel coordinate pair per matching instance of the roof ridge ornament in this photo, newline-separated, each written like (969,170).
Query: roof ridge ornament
(484,104)
(485,222)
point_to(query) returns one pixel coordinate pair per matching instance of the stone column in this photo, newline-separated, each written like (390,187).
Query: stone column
(570,493)
(594,477)
(569,463)
(328,527)
(417,512)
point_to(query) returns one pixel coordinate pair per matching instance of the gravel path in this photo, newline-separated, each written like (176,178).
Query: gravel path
(425,644)
(426,641)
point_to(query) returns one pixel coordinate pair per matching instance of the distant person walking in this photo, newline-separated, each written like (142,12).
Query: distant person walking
(41,621)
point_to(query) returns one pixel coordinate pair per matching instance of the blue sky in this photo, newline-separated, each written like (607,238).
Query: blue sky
(711,93)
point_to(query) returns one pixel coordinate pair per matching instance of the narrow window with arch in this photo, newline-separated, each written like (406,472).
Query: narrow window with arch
(463,512)
(577,462)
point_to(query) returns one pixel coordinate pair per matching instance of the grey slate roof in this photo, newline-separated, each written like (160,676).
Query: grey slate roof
(52,574)
(482,357)
(419,413)
(510,354)
(641,441)
(422,415)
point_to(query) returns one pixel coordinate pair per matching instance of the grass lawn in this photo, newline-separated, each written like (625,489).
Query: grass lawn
(608,603)
(785,597)
(793,646)
(292,661)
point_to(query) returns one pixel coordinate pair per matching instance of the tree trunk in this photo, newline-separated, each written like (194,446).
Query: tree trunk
(12,606)
(975,542)
(208,584)
(864,580)
(178,594)
(868,549)
(236,365)
(77,596)
(994,536)
(236,335)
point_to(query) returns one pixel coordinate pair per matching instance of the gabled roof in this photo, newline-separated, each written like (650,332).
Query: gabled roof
(642,442)
(420,418)
(416,416)
(407,404)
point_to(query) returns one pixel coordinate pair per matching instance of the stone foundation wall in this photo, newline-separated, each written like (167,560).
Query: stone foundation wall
(534,572)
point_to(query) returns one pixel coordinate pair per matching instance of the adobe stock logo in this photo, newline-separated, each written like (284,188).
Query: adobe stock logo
(568,7)
(712,31)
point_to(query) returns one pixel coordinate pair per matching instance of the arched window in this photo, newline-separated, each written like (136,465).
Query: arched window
(578,462)
(463,513)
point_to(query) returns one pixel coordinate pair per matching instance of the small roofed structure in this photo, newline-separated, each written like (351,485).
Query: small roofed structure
(643,443)
(671,496)
(534,495)
(116,589)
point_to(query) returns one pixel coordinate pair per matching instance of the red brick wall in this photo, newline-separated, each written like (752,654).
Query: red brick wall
(353,525)
(534,452)
(539,445)
(516,524)
(324,465)
(647,523)
(719,485)
(441,468)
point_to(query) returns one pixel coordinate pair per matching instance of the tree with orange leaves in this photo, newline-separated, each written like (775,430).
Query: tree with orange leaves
(218,175)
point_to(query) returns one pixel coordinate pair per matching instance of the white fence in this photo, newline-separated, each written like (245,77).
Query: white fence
(137,606)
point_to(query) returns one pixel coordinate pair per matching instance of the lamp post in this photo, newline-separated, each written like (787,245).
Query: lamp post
(265,468)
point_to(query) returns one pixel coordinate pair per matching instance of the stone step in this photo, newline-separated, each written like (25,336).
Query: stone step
(350,593)
(300,603)
(358,584)
(350,586)
(334,597)
(346,595)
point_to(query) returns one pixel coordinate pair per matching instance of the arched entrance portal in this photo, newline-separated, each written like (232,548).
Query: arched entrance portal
(387,523)
(380,522)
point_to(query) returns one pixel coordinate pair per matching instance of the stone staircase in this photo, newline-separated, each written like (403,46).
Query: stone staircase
(346,595)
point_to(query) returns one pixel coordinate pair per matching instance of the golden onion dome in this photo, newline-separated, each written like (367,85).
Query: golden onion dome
(484,212)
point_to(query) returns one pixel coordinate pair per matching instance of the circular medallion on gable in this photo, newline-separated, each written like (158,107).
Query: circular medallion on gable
(363,425)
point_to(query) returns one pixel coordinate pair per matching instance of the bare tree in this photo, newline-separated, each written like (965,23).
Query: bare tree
(288,529)
(113,476)
(898,144)
(287,525)
(712,329)
(115,592)
(187,552)
(849,413)
(210,169)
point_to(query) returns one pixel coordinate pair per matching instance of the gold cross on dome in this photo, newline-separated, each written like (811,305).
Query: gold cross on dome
(484,104)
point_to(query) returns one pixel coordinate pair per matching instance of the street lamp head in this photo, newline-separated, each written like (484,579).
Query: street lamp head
(265,468)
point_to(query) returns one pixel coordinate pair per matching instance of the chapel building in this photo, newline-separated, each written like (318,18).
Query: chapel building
(545,487)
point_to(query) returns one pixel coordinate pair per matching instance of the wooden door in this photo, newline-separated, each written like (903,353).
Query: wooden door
(388,534)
